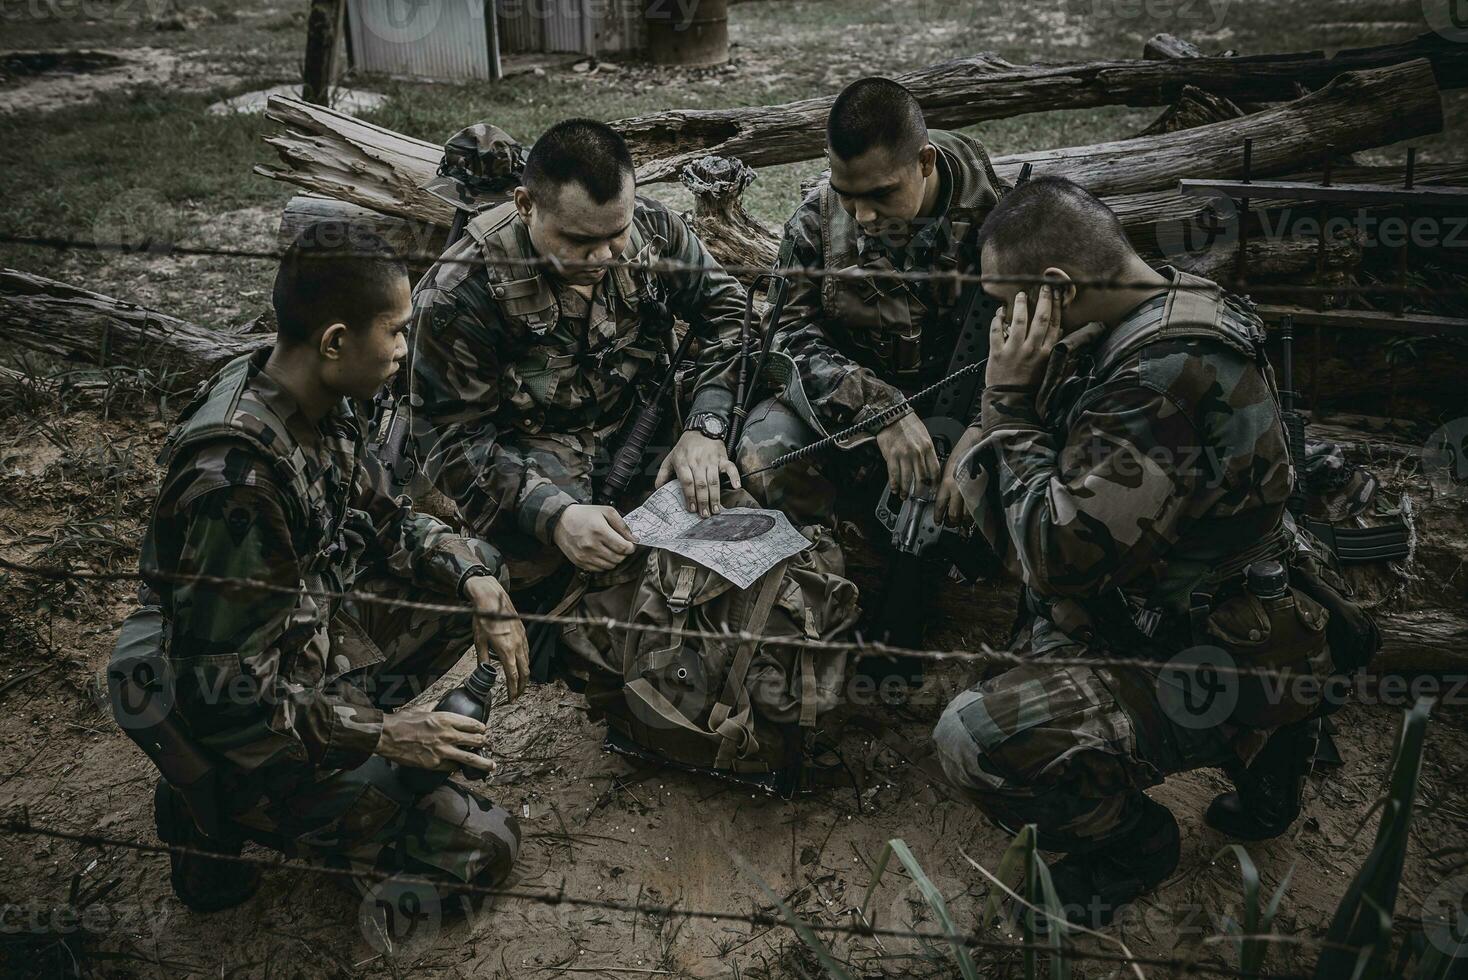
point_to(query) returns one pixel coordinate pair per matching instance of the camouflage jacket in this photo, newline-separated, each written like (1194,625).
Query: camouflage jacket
(1149,454)
(859,344)
(498,358)
(255,491)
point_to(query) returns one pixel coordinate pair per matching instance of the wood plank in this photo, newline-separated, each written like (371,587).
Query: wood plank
(1414,323)
(1381,195)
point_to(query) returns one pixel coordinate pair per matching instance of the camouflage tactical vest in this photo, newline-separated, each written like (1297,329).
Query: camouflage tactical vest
(1206,565)
(552,383)
(1197,311)
(886,318)
(321,509)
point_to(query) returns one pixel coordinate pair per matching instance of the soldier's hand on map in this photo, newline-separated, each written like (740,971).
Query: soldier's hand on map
(697,461)
(593,538)
(425,739)
(1019,351)
(498,634)
(949,506)
(912,462)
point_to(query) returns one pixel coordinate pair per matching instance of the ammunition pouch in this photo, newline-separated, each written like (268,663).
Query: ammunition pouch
(1285,634)
(1351,632)
(140,685)
(1357,545)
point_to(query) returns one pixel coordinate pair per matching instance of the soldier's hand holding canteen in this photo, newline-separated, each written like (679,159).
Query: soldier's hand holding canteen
(593,538)
(420,738)
(1019,352)
(912,462)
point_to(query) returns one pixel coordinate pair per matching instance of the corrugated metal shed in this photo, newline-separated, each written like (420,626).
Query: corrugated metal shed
(438,39)
(585,26)
(454,40)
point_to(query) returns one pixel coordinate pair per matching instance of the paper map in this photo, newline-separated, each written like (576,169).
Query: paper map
(740,543)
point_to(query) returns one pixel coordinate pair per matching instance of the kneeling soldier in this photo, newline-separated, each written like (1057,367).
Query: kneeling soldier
(901,200)
(1132,467)
(278,721)
(531,358)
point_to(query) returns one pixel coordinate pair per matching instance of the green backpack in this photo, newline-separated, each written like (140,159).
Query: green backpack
(729,705)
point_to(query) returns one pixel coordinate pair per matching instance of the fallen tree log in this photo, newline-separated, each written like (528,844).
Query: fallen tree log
(1356,111)
(333,155)
(972,90)
(1155,221)
(83,327)
(1274,259)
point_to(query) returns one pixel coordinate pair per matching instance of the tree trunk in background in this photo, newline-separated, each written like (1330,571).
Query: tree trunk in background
(321,36)
(87,328)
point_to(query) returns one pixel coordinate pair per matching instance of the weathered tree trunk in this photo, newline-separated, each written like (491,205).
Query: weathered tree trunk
(336,156)
(1355,111)
(1193,108)
(81,326)
(732,234)
(1273,259)
(970,90)
(322,22)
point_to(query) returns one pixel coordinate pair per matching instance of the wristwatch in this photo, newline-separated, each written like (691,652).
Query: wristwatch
(709,424)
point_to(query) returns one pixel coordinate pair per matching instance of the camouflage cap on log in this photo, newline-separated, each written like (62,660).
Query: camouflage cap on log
(481,165)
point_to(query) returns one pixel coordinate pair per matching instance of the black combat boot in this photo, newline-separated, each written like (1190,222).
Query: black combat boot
(203,883)
(1267,796)
(1093,886)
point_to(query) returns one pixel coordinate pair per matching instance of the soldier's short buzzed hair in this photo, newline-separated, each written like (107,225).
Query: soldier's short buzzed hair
(588,152)
(1052,221)
(334,272)
(876,112)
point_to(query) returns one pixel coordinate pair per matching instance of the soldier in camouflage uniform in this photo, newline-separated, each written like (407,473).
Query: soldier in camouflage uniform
(524,375)
(296,695)
(899,197)
(1131,467)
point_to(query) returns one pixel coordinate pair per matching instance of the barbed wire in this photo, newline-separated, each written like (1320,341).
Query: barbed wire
(861,648)
(561,898)
(149,249)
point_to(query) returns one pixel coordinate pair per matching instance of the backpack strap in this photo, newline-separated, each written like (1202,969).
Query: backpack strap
(1194,309)
(734,729)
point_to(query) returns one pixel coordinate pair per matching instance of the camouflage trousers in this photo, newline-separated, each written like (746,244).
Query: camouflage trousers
(807,489)
(365,819)
(1070,749)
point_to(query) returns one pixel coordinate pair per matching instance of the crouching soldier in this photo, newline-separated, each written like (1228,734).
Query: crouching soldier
(1132,467)
(531,358)
(900,199)
(273,710)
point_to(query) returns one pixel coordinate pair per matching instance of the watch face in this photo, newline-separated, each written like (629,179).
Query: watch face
(712,426)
